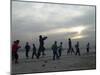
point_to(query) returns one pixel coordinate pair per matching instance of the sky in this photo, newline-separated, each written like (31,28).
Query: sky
(56,21)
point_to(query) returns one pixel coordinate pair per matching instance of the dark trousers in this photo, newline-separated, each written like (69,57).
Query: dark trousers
(27,51)
(69,50)
(78,52)
(15,57)
(55,55)
(59,53)
(38,54)
(87,50)
(34,53)
(41,50)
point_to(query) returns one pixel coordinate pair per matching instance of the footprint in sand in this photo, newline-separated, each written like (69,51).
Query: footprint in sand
(43,65)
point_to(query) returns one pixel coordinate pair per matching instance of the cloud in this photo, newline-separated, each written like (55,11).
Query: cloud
(30,19)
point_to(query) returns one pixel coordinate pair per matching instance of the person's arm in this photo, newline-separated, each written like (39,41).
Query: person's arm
(19,46)
(45,38)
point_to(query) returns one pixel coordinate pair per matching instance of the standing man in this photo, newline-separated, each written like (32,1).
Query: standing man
(15,48)
(41,46)
(34,51)
(54,48)
(88,47)
(70,46)
(27,48)
(60,49)
(77,49)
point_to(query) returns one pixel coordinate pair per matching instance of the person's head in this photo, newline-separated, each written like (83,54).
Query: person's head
(40,36)
(55,42)
(69,39)
(33,44)
(26,43)
(61,43)
(17,41)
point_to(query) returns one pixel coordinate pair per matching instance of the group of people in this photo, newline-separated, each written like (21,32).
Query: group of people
(71,50)
(57,50)
(15,48)
(41,49)
(77,52)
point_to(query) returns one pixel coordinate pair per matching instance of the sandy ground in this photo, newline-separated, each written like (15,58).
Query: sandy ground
(46,64)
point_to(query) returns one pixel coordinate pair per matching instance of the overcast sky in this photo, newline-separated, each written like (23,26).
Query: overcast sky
(57,21)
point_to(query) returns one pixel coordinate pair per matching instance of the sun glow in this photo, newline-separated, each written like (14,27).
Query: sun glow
(77,30)
(78,37)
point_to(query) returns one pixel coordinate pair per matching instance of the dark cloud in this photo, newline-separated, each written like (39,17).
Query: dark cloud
(30,19)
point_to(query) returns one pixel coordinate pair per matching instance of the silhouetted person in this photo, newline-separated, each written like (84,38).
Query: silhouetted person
(41,46)
(69,45)
(34,51)
(60,49)
(27,48)
(77,49)
(13,52)
(54,48)
(70,49)
(15,48)
(88,47)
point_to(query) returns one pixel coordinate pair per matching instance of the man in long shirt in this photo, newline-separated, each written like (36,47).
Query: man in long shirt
(88,47)
(55,50)
(70,46)
(60,49)
(15,48)
(27,48)
(41,46)
(34,51)
(77,49)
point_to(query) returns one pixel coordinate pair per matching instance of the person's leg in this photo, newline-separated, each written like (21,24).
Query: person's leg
(67,51)
(71,51)
(76,52)
(59,53)
(79,53)
(38,54)
(43,53)
(35,54)
(16,58)
(12,56)
(87,50)
(32,55)
(56,54)
(26,53)
(53,55)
